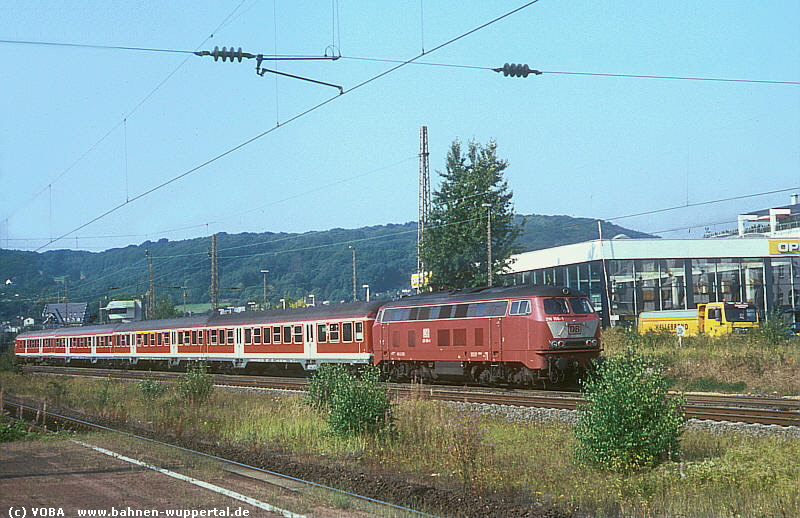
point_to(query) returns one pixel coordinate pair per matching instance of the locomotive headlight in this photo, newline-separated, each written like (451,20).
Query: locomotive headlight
(592,342)
(557,344)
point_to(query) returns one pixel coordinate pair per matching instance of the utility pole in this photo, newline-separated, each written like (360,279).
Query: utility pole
(488,241)
(151,298)
(424,200)
(265,272)
(355,293)
(214,279)
(66,301)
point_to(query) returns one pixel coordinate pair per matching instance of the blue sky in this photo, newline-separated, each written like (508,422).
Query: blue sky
(82,130)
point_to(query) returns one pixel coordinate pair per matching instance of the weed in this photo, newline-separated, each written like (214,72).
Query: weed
(151,389)
(14,431)
(196,385)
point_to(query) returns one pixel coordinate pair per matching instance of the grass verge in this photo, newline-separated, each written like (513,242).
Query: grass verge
(433,443)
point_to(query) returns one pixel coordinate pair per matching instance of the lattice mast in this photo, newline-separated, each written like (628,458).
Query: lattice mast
(424,201)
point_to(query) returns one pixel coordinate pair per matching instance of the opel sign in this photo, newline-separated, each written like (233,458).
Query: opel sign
(784,246)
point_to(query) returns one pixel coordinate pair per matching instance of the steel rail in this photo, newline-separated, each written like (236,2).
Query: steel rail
(780,411)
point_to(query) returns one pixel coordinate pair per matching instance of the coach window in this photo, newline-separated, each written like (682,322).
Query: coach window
(347,332)
(229,332)
(555,306)
(298,334)
(287,334)
(322,333)
(257,336)
(248,336)
(213,337)
(166,338)
(200,336)
(267,334)
(276,334)
(194,337)
(334,332)
(158,339)
(187,338)
(138,339)
(359,331)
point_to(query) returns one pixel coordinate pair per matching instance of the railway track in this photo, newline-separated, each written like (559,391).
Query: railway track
(49,420)
(780,411)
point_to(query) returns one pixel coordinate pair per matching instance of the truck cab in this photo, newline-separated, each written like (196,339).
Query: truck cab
(721,318)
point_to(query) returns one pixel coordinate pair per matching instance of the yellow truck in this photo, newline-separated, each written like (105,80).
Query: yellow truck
(713,319)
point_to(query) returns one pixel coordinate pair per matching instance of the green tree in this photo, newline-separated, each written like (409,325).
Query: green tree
(454,249)
(165,309)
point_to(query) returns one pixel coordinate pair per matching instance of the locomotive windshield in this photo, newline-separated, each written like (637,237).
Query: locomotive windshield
(555,306)
(579,306)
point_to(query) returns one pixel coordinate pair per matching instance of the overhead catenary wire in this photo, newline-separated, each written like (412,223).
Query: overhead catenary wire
(130,112)
(288,121)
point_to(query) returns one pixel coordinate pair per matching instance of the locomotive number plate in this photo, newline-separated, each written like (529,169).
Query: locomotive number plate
(574,329)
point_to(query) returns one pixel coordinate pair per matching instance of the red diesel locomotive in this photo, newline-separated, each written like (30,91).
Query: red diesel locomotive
(517,335)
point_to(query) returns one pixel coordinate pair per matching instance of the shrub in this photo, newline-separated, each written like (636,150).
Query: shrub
(628,421)
(771,330)
(196,385)
(151,389)
(355,404)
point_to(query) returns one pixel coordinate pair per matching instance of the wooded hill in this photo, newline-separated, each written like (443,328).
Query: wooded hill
(318,263)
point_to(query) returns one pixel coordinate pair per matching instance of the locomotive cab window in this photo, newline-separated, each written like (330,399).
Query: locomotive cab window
(555,306)
(520,307)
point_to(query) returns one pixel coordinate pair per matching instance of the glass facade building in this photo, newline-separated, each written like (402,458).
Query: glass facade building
(625,277)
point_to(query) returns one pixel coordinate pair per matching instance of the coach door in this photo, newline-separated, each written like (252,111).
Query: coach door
(495,338)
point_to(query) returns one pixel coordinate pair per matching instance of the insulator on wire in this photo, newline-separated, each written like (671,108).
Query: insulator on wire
(226,54)
(517,70)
